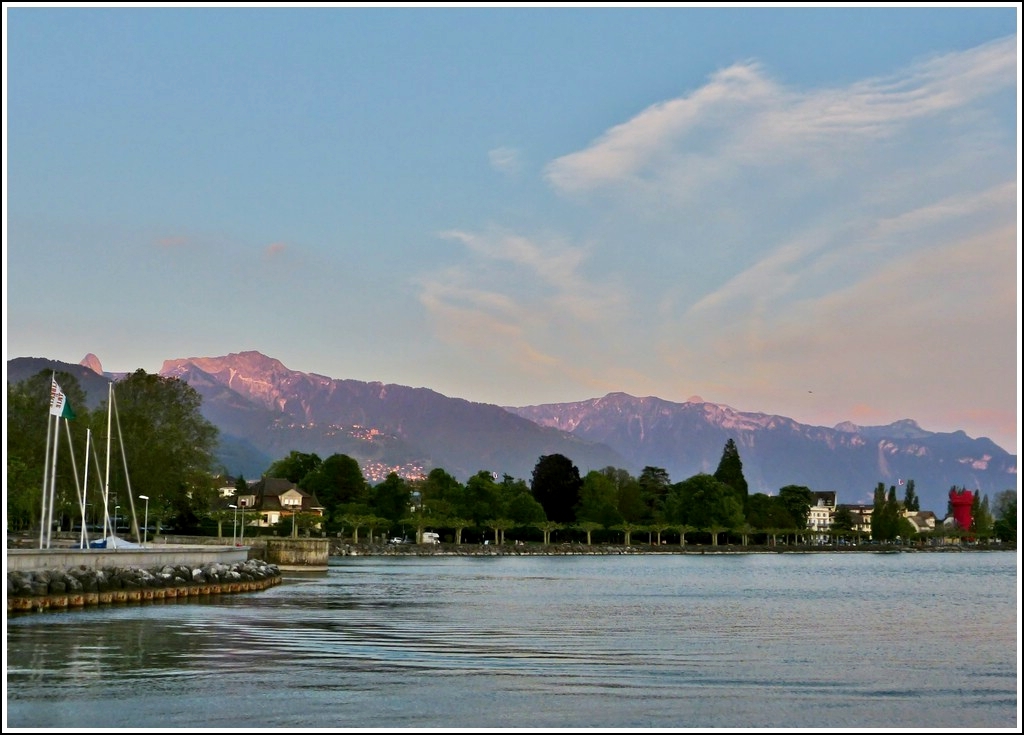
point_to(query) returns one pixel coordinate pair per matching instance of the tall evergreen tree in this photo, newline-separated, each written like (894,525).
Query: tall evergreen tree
(885,514)
(910,500)
(730,471)
(1005,511)
(981,516)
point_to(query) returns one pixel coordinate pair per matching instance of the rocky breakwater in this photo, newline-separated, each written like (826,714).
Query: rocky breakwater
(81,587)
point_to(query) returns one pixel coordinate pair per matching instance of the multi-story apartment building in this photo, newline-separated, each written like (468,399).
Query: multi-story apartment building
(820,515)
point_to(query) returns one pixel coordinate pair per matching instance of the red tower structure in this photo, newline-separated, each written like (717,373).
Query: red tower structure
(961,500)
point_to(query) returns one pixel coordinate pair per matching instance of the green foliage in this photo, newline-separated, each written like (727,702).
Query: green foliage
(294,467)
(1005,512)
(391,498)
(27,414)
(796,499)
(599,499)
(911,502)
(631,503)
(336,482)
(842,520)
(703,501)
(885,514)
(981,517)
(556,485)
(654,488)
(730,471)
(767,511)
(480,498)
(168,447)
(525,511)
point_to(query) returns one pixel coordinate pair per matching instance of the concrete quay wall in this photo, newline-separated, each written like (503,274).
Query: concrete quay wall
(27,560)
(298,554)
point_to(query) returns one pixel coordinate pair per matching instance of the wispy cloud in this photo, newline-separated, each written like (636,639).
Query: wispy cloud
(525,299)
(505,160)
(741,118)
(858,242)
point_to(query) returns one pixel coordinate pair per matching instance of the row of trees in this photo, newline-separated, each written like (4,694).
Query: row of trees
(171,457)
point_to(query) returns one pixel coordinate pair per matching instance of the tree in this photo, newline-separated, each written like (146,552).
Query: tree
(599,498)
(442,492)
(337,482)
(843,519)
(27,415)
(715,529)
(885,514)
(294,467)
(981,517)
(168,447)
(730,471)
(525,511)
(767,511)
(703,501)
(654,486)
(391,498)
(556,484)
(627,531)
(587,527)
(500,525)
(797,499)
(458,525)
(683,530)
(659,527)
(911,502)
(480,498)
(546,528)
(1005,513)
(744,531)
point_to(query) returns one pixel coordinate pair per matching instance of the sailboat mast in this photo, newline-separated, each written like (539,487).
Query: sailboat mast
(85,492)
(106,478)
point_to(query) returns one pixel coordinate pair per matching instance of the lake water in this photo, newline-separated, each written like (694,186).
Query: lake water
(910,640)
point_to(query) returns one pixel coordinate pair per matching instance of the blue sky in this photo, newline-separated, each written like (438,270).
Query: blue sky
(810,212)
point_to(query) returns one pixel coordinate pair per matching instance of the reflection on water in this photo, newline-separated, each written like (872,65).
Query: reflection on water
(817,640)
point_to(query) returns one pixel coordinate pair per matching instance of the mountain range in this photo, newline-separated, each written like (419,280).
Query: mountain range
(263,411)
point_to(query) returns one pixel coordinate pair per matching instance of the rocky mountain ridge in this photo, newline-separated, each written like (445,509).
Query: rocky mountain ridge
(264,410)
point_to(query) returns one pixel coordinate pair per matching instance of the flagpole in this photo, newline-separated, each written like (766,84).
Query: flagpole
(46,478)
(53,484)
(46,459)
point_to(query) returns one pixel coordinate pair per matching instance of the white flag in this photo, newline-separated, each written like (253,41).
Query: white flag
(59,405)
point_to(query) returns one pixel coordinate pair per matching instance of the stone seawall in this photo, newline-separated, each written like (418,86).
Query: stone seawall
(81,587)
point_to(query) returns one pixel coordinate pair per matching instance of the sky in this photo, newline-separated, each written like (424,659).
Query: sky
(805,211)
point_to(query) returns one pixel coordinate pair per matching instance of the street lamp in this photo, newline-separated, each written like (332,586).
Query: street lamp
(241,534)
(234,525)
(145,523)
